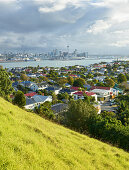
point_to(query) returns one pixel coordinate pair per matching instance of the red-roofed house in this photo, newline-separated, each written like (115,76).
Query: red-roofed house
(80,95)
(30,94)
(73,75)
(99,87)
(75,88)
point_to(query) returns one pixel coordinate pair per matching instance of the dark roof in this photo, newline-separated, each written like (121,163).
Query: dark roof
(67,90)
(30,101)
(51,88)
(27,82)
(57,108)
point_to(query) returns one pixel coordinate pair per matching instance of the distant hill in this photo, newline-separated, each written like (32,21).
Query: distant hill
(28,142)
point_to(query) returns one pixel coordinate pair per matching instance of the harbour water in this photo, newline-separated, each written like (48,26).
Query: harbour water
(54,63)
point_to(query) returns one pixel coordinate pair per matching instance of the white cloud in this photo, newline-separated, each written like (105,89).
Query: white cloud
(58,5)
(99,27)
(122,43)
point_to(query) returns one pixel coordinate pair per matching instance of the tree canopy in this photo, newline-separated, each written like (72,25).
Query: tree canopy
(5,84)
(122,78)
(19,99)
(79,82)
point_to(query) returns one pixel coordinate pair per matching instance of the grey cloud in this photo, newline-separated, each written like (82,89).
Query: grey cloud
(24,26)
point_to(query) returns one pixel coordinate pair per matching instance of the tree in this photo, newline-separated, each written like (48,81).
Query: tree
(19,99)
(62,96)
(109,83)
(108,114)
(79,82)
(5,84)
(70,80)
(122,78)
(54,98)
(62,81)
(89,76)
(78,114)
(1,67)
(23,77)
(45,111)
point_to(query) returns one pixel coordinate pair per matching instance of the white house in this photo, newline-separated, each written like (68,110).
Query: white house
(36,100)
(103,92)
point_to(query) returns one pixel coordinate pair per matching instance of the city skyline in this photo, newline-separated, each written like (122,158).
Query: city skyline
(99,27)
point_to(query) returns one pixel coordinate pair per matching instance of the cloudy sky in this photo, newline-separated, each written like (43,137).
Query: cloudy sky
(97,26)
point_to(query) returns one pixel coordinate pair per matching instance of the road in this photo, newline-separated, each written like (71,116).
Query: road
(106,107)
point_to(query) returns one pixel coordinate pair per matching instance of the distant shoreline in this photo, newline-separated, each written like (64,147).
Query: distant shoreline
(95,58)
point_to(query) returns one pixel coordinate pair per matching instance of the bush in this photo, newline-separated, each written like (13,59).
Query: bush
(19,99)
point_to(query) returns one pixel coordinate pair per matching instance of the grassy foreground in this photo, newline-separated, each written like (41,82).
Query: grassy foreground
(28,142)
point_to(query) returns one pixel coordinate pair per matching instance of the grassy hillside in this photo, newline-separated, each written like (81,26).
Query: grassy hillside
(30,142)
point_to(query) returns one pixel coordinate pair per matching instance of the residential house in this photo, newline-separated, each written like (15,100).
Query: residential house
(69,91)
(29,84)
(29,95)
(100,78)
(56,90)
(43,85)
(31,75)
(80,95)
(36,100)
(103,92)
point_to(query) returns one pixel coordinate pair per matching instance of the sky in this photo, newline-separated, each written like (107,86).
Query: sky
(96,26)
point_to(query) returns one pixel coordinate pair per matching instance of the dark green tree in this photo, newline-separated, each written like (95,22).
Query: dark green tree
(19,99)
(45,111)
(5,84)
(122,78)
(78,114)
(70,80)
(79,82)
(109,82)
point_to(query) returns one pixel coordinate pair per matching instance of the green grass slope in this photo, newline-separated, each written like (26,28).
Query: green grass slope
(31,143)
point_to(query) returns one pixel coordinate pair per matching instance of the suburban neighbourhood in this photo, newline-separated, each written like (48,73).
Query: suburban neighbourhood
(59,85)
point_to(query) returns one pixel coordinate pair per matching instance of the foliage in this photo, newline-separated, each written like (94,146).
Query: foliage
(108,114)
(19,99)
(123,109)
(89,75)
(122,78)
(5,84)
(79,82)
(109,82)
(54,98)
(62,81)
(52,74)
(100,84)
(78,114)
(110,130)
(62,96)
(23,89)
(45,111)
(70,80)
(24,77)
(82,117)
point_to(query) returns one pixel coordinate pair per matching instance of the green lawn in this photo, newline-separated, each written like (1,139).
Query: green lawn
(28,142)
